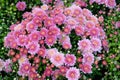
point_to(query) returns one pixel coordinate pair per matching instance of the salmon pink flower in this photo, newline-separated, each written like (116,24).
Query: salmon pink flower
(57,59)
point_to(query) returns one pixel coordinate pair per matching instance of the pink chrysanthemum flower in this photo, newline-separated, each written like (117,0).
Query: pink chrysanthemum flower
(76,10)
(19,27)
(32,47)
(96,44)
(14,44)
(51,52)
(67,29)
(9,39)
(26,14)
(110,3)
(23,59)
(88,58)
(73,74)
(89,25)
(50,40)
(62,18)
(79,30)
(21,6)
(8,65)
(17,33)
(24,69)
(71,21)
(84,44)
(43,32)
(2,64)
(55,30)
(93,19)
(86,12)
(70,59)
(48,22)
(12,27)
(64,38)
(38,12)
(57,59)
(86,68)
(21,40)
(42,52)
(66,45)
(94,32)
(57,10)
(31,26)
(36,20)
(44,7)
(81,19)
(57,20)
(34,36)
(68,11)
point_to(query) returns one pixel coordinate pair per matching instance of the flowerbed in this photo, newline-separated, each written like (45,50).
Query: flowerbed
(57,42)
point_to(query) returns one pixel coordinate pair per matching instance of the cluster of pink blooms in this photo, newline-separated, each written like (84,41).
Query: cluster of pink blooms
(108,3)
(41,29)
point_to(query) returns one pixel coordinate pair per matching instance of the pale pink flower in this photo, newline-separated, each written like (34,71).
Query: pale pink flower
(44,7)
(96,44)
(68,11)
(51,52)
(110,3)
(88,58)
(73,74)
(57,59)
(84,44)
(66,45)
(23,59)
(8,66)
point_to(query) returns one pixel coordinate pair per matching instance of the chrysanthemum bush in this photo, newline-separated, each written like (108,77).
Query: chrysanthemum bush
(59,42)
(62,40)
